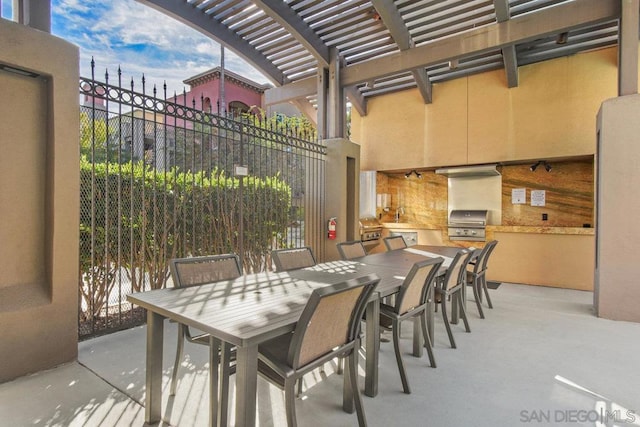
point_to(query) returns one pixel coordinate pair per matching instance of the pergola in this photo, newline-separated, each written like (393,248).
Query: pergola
(318,51)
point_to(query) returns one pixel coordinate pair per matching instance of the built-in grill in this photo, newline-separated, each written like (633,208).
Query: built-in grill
(467,225)
(370,231)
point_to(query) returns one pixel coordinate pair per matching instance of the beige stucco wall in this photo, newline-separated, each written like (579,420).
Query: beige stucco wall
(39,202)
(478,119)
(557,260)
(618,208)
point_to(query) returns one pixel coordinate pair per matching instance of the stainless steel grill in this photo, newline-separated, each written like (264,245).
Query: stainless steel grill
(467,225)
(370,231)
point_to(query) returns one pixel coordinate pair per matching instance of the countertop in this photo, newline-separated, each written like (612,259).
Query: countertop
(533,229)
(527,229)
(411,226)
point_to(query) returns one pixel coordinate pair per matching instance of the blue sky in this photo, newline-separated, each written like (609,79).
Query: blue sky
(138,39)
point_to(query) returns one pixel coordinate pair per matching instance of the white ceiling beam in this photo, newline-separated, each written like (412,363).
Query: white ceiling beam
(196,19)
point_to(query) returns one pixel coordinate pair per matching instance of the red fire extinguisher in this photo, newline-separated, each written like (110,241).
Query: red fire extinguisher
(331,228)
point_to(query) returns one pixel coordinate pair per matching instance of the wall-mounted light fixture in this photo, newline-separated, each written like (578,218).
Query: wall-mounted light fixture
(562,38)
(544,163)
(408,174)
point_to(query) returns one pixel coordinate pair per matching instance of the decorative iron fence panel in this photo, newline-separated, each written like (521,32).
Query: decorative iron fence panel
(161,180)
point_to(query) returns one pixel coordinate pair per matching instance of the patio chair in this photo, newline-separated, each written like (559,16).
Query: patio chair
(394,242)
(292,259)
(411,301)
(476,275)
(351,249)
(329,327)
(197,271)
(451,286)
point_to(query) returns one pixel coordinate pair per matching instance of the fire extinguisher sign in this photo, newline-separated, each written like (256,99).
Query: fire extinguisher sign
(331,228)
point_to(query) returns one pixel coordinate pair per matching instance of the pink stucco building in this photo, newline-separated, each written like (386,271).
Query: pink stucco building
(240,93)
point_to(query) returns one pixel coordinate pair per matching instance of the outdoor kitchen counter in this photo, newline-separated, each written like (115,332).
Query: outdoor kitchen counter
(560,257)
(532,229)
(539,230)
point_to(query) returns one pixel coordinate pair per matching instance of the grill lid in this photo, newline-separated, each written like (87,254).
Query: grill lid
(370,223)
(468,218)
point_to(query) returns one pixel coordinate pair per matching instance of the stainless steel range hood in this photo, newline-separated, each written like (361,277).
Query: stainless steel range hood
(462,171)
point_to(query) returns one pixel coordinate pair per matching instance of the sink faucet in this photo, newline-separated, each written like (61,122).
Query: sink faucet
(399,210)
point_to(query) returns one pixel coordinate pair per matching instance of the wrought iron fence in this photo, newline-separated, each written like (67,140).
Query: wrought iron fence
(161,180)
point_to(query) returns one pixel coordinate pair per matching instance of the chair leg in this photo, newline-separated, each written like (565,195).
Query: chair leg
(486,291)
(179,349)
(290,402)
(443,304)
(299,391)
(463,311)
(476,295)
(396,348)
(427,339)
(353,369)
(347,390)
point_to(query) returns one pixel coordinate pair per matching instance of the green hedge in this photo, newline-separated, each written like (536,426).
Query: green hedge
(142,218)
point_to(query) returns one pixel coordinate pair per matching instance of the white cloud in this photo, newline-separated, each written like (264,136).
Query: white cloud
(142,41)
(67,6)
(207,47)
(133,23)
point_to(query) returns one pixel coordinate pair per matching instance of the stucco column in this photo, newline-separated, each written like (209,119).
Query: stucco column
(617,289)
(39,201)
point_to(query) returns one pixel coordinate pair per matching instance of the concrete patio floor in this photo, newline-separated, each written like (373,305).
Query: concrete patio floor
(539,358)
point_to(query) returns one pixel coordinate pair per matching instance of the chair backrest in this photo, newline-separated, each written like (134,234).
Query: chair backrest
(291,259)
(394,242)
(415,287)
(330,319)
(351,249)
(196,271)
(483,257)
(456,269)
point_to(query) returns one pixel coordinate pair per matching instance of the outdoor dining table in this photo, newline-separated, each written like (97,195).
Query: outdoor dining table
(244,313)
(253,309)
